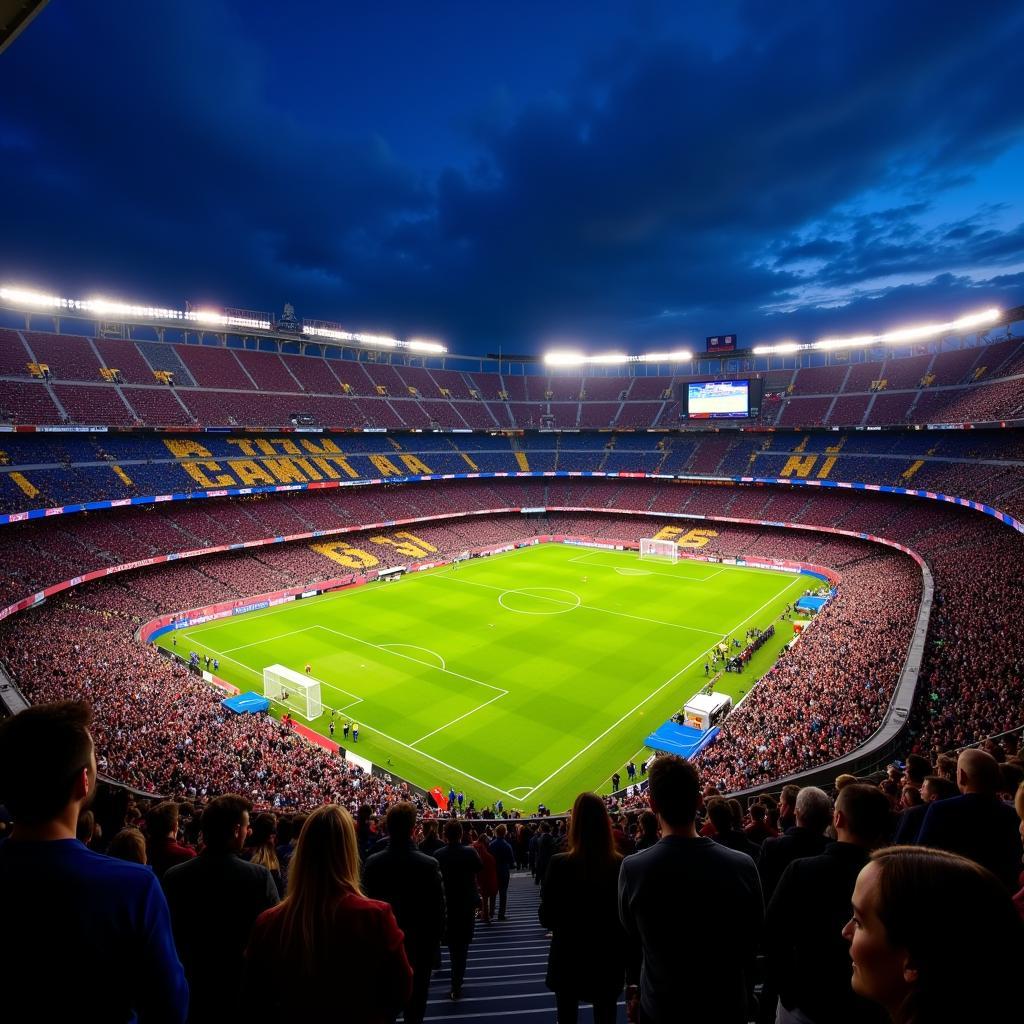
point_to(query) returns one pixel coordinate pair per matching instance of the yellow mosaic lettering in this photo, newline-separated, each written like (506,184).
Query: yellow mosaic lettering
(697,538)
(244,444)
(826,467)
(668,533)
(285,470)
(411,545)
(250,472)
(307,468)
(799,465)
(344,554)
(195,470)
(385,466)
(187,449)
(326,447)
(415,465)
(286,445)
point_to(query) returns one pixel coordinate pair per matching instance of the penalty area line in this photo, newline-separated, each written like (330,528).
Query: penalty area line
(654,693)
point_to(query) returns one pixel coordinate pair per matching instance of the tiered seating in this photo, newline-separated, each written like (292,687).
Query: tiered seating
(97,405)
(849,410)
(214,367)
(165,357)
(891,408)
(267,370)
(14,357)
(69,356)
(313,374)
(804,412)
(124,356)
(27,402)
(157,406)
(819,380)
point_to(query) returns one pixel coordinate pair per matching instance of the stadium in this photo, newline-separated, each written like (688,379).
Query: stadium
(285,560)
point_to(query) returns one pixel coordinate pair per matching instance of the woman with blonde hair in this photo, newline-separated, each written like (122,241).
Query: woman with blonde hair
(327,937)
(934,938)
(579,905)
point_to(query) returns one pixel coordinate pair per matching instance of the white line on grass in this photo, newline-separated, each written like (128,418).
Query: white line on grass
(473,711)
(671,679)
(588,607)
(267,640)
(384,648)
(413,647)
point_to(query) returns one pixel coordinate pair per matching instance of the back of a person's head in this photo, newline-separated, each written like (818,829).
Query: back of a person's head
(917,768)
(789,794)
(1010,777)
(720,814)
(323,869)
(86,827)
(649,825)
(737,812)
(400,822)
(962,935)
(129,844)
(758,812)
(813,809)
(977,772)
(42,753)
(161,820)
(590,832)
(674,789)
(500,832)
(939,787)
(221,818)
(844,780)
(264,828)
(866,813)
(453,831)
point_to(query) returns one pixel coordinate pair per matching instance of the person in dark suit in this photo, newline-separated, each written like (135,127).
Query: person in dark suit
(545,851)
(430,844)
(579,906)
(813,811)
(908,825)
(807,959)
(686,878)
(726,833)
(977,824)
(411,882)
(460,866)
(215,898)
(505,861)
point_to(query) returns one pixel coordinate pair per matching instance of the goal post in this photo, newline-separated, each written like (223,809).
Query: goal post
(659,550)
(297,692)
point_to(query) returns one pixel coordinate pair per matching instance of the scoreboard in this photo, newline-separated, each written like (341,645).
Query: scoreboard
(722,343)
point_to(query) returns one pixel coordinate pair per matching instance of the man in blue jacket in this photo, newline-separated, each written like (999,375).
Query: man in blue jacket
(76,923)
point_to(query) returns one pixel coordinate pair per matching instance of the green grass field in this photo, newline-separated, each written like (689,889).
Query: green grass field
(528,676)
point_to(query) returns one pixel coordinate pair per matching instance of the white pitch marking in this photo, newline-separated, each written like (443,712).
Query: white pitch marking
(266,640)
(413,647)
(671,679)
(473,711)
(589,607)
(534,592)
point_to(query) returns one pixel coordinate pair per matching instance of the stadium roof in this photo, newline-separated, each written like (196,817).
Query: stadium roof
(15,15)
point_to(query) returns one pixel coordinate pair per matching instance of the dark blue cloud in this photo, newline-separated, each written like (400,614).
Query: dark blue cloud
(642,177)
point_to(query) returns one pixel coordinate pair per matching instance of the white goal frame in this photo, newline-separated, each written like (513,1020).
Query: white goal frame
(659,550)
(296,691)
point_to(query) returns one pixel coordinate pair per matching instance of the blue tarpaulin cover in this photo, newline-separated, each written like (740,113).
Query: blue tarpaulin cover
(249,701)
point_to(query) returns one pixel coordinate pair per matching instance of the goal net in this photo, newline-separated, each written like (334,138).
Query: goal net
(297,692)
(659,550)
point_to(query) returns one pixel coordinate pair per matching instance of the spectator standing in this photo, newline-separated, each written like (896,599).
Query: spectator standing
(460,868)
(977,824)
(214,900)
(721,890)
(505,860)
(545,851)
(579,906)
(262,848)
(908,825)
(934,938)
(430,844)
(73,916)
(488,879)
(812,809)
(129,844)
(725,832)
(807,959)
(163,850)
(787,807)
(338,946)
(759,828)
(410,882)
(1018,803)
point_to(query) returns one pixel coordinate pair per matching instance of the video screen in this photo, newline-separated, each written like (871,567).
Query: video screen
(718,400)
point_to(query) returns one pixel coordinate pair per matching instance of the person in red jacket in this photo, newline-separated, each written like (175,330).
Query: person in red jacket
(327,938)
(487,879)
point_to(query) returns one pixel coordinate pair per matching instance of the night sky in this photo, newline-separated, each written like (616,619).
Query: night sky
(523,174)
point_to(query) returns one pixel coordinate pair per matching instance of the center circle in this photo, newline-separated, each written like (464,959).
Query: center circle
(539,601)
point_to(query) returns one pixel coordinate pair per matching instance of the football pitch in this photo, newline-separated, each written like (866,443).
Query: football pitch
(527,676)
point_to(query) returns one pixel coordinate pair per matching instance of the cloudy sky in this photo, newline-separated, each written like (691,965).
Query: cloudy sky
(524,173)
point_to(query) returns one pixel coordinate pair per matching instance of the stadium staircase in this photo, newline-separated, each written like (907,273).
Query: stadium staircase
(505,970)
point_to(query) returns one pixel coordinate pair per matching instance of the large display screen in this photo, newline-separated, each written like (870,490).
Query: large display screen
(718,400)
